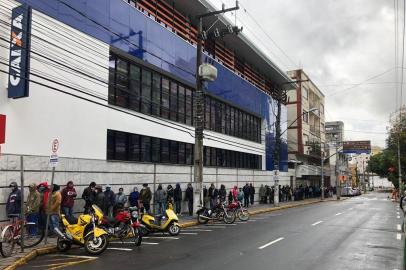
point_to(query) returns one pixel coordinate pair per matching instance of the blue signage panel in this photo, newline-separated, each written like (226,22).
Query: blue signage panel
(19,52)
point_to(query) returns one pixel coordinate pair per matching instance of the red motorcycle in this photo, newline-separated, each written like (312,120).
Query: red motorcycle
(124,225)
(239,210)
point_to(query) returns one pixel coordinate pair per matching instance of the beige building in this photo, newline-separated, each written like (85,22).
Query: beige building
(306,130)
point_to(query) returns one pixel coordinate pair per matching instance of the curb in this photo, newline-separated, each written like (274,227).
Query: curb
(267,210)
(30,256)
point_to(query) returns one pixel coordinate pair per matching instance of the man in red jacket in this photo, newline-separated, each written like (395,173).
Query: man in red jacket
(68,199)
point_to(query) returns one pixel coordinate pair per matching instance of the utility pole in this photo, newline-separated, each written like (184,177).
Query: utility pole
(276,155)
(322,170)
(338,182)
(199,100)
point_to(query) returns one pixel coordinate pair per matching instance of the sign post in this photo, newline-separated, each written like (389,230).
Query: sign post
(53,162)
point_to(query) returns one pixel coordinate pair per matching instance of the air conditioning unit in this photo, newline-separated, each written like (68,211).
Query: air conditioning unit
(207,72)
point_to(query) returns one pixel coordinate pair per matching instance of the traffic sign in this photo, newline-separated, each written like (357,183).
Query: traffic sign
(53,160)
(55,146)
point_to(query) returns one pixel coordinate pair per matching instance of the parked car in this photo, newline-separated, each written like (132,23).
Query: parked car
(347,191)
(356,191)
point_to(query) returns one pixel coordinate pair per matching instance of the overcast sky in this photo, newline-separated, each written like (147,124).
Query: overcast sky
(338,44)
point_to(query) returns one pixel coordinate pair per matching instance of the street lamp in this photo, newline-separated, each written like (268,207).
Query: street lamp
(276,158)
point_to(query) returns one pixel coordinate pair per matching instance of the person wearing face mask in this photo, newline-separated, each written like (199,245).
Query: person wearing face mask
(100,199)
(110,199)
(134,197)
(68,199)
(13,206)
(121,198)
(43,190)
(53,208)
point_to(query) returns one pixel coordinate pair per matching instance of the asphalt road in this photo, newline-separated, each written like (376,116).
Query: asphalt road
(359,233)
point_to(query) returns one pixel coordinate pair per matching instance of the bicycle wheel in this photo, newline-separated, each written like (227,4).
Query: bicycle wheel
(7,241)
(32,234)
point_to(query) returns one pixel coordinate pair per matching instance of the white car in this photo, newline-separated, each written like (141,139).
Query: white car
(347,191)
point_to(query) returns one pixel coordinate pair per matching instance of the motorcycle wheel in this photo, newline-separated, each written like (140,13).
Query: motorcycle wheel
(95,245)
(243,215)
(229,217)
(137,237)
(174,229)
(201,220)
(63,245)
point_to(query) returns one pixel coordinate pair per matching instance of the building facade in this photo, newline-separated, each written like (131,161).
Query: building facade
(306,130)
(114,82)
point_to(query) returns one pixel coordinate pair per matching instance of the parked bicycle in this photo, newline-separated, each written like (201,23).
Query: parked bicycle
(11,235)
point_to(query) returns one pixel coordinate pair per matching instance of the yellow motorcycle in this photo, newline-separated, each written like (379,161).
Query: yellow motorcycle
(84,232)
(168,222)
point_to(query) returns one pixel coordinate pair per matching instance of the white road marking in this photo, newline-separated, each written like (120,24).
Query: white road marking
(351,208)
(316,223)
(275,215)
(143,242)
(160,237)
(338,214)
(271,243)
(189,233)
(215,227)
(397,213)
(122,249)
(149,243)
(197,230)
(398,236)
(252,220)
(398,217)
(399,227)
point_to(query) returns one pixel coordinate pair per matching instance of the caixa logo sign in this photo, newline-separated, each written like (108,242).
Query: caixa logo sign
(19,52)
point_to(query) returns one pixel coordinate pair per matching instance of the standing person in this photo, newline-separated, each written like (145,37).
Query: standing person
(32,207)
(189,198)
(213,196)
(170,193)
(246,190)
(89,195)
(206,198)
(54,207)
(240,196)
(13,206)
(178,199)
(222,193)
(145,196)
(230,196)
(234,193)
(134,197)
(262,194)
(120,198)
(160,200)
(110,200)
(100,199)
(252,193)
(68,199)
(43,190)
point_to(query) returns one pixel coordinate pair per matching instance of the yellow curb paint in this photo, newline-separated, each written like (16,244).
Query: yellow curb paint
(30,256)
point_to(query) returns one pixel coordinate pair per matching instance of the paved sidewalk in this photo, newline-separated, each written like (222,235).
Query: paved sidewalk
(19,257)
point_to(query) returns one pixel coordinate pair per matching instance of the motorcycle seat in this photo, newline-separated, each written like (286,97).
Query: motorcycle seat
(72,219)
(111,220)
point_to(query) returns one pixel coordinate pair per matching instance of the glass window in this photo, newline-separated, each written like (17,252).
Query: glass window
(240,124)
(134,149)
(112,79)
(110,144)
(213,114)
(213,155)
(189,154)
(305,116)
(145,149)
(182,153)
(165,98)
(122,83)
(189,107)
(156,94)
(207,112)
(305,93)
(135,88)
(232,121)
(228,120)
(155,150)
(146,91)
(181,104)
(223,117)
(174,148)
(207,156)
(174,101)
(121,146)
(164,151)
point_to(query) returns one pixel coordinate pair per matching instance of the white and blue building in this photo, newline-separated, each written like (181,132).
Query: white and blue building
(114,82)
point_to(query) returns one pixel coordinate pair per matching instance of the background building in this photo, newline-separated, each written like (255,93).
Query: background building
(114,82)
(306,130)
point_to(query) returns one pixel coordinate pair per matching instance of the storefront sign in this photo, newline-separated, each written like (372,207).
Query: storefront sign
(19,52)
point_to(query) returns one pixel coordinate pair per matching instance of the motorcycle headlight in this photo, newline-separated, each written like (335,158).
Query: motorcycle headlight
(134,214)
